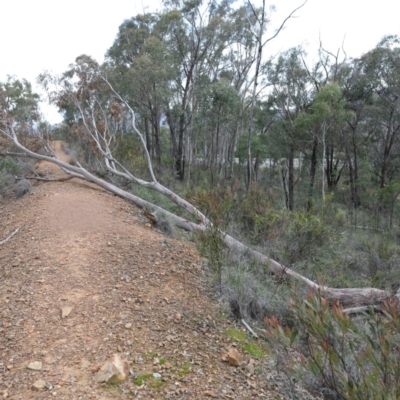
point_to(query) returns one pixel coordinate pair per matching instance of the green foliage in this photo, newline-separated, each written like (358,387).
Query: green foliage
(298,235)
(185,370)
(380,255)
(235,334)
(248,345)
(258,213)
(253,349)
(18,100)
(352,358)
(259,147)
(9,165)
(216,205)
(141,379)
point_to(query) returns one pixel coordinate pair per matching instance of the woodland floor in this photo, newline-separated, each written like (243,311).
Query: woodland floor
(133,291)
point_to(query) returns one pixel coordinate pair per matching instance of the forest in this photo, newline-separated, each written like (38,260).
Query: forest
(286,173)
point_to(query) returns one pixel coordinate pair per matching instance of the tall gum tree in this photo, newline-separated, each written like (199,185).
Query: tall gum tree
(290,95)
(258,32)
(381,67)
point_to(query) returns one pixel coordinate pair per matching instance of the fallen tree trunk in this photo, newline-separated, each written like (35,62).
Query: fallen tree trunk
(346,296)
(101,133)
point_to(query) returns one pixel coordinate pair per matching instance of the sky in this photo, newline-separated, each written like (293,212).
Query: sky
(48,35)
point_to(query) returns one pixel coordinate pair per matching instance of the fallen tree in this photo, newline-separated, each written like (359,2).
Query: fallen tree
(97,126)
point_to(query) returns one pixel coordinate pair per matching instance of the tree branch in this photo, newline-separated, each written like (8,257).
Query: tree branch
(14,233)
(283,23)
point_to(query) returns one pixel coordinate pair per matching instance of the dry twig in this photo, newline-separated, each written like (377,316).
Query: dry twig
(5,240)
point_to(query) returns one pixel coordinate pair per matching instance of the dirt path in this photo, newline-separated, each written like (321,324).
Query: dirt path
(132,290)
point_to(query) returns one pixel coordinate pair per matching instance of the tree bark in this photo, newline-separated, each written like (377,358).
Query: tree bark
(313,169)
(290,204)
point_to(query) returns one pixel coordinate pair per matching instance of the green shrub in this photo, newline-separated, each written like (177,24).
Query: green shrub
(9,165)
(352,358)
(216,205)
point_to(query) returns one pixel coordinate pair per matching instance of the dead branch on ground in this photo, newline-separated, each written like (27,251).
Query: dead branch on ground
(6,240)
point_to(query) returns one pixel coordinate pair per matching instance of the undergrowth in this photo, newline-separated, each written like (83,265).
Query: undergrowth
(341,356)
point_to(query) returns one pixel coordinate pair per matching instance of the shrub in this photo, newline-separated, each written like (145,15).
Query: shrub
(352,358)
(216,205)
(9,165)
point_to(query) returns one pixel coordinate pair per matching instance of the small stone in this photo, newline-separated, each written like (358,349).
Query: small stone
(40,384)
(114,370)
(210,393)
(148,225)
(65,312)
(128,326)
(234,357)
(250,367)
(178,317)
(35,365)
(157,375)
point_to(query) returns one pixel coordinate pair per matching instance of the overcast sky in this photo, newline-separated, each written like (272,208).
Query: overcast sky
(39,35)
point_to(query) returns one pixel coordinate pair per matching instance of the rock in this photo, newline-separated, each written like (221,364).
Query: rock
(114,370)
(250,367)
(210,393)
(65,312)
(128,326)
(40,384)
(234,357)
(22,188)
(35,365)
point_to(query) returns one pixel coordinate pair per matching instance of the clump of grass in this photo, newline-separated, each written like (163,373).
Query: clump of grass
(248,345)
(155,383)
(235,335)
(150,380)
(254,349)
(185,370)
(141,379)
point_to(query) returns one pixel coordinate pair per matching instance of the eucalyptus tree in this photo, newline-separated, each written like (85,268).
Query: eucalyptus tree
(356,138)
(381,67)
(140,65)
(324,120)
(262,22)
(18,102)
(291,94)
(216,122)
(197,39)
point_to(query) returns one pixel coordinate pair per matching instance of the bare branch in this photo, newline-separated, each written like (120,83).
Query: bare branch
(249,328)
(38,178)
(14,233)
(283,23)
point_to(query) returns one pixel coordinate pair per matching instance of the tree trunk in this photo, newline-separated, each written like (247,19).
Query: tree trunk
(347,297)
(290,205)
(313,169)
